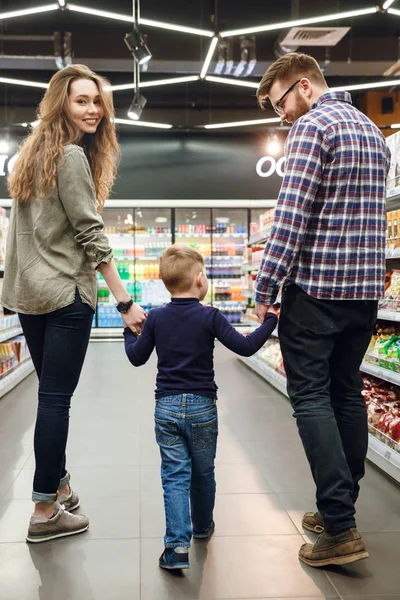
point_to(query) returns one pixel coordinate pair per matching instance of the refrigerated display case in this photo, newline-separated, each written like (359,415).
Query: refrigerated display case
(220,236)
(138,237)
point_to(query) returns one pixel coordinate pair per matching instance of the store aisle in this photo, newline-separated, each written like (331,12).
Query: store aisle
(263,488)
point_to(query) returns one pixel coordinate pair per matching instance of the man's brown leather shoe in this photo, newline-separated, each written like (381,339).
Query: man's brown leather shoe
(341,549)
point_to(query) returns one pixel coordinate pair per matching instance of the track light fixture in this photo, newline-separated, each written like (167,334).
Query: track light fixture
(137,46)
(137,106)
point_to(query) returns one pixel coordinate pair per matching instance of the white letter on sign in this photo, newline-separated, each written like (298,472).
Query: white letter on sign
(260,164)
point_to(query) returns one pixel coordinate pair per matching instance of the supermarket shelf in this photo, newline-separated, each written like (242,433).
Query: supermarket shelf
(247,267)
(393,255)
(213,234)
(259,238)
(269,374)
(379,453)
(7,334)
(129,236)
(248,293)
(393,199)
(389,315)
(8,382)
(381,373)
(384,457)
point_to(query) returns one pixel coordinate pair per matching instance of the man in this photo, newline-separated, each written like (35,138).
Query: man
(327,248)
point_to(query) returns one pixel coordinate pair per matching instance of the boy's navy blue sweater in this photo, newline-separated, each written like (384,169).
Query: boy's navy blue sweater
(183,333)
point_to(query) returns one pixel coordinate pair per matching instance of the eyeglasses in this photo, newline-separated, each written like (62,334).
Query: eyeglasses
(277,107)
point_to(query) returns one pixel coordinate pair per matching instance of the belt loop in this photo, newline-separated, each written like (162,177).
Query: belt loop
(184,400)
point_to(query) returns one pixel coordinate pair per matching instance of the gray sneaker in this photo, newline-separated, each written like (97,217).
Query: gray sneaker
(62,524)
(70,502)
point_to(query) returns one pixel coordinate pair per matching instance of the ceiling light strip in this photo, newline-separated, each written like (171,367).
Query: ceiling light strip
(238,82)
(300,22)
(156,82)
(387,4)
(394,11)
(242,123)
(366,86)
(209,56)
(24,82)
(149,22)
(143,124)
(173,27)
(29,11)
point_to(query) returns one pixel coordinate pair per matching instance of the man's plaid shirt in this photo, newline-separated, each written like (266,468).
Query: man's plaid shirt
(328,234)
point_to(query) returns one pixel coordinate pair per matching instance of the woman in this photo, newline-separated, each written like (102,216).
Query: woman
(63,175)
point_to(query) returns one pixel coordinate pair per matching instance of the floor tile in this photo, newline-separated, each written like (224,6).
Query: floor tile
(241,479)
(271,569)
(250,515)
(150,479)
(378,575)
(73,568)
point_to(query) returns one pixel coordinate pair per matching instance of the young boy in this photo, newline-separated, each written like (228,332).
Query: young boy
(183,333)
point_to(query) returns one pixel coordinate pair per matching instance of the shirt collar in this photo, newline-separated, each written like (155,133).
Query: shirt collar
(333,97)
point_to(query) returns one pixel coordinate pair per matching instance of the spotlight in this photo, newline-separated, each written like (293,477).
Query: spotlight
(137,106)
(274,146)
(137,46)
(4,147)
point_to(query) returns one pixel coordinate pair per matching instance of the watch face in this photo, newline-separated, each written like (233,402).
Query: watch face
(123,307)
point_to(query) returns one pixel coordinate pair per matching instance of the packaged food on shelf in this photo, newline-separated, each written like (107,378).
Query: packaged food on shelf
(272,355)
(383,409)
(12,353)
(384,347)
(391,297)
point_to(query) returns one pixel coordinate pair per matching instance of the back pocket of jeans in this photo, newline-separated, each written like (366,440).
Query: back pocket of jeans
(166,432)
(204,434)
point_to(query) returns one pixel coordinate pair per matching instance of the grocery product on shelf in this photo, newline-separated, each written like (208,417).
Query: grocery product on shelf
(383,406)
(391,298)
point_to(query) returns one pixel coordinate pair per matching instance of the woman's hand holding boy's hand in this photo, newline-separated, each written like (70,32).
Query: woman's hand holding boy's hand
(134,318)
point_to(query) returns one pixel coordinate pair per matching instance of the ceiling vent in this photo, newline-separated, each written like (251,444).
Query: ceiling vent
(313,36)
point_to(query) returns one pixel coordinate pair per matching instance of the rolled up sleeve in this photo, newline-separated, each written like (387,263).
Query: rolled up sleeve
(78,197)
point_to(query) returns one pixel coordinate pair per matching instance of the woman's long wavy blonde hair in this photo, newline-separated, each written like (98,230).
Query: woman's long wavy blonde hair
(35,171)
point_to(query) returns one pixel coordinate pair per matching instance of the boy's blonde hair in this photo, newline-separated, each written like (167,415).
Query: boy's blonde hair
(179,265)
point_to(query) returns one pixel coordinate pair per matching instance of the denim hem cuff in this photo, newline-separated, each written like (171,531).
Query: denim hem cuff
(64,480)
(177,545)
(39,498)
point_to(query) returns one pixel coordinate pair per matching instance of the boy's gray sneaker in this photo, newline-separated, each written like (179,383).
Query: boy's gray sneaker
(313,522)
(62,524)
(70,502)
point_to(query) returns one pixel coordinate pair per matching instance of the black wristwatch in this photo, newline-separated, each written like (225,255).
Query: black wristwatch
(123,307)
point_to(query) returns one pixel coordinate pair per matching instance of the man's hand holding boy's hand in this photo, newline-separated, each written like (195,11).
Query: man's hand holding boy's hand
(261,311)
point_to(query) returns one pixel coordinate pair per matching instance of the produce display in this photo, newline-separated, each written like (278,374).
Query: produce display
(383,405)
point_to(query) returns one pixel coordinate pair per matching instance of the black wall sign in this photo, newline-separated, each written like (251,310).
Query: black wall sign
(189,166)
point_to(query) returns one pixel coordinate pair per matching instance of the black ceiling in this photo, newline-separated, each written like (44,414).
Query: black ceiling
(363,55)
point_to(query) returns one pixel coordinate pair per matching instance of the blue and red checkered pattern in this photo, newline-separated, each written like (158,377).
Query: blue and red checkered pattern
(328,234)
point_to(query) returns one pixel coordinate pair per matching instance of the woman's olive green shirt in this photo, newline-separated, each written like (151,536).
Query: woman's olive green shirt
(55,243)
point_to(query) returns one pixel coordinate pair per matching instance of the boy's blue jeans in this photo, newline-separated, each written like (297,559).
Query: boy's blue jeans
(186,429)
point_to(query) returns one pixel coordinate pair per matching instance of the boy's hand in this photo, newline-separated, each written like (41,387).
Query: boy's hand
(273,310)
(134,318)
(262,309)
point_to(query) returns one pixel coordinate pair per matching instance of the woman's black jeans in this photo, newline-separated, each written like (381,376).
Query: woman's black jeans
(57,342)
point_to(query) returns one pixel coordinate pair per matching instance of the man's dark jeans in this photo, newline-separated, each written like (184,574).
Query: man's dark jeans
(323,343)
(57,342)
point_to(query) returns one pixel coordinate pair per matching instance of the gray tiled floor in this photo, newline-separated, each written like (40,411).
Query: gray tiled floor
(264,486)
